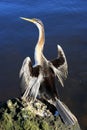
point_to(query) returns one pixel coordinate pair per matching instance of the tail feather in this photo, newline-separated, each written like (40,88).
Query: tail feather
(65,113)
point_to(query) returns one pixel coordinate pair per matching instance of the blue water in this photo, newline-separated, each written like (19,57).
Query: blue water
(65,24)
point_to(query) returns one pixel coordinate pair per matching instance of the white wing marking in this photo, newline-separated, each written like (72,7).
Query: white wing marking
(25,73)
(59,66)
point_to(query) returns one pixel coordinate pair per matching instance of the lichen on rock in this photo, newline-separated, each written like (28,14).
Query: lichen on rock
(16,114)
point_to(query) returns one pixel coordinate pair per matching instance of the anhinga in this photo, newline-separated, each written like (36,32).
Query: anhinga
(44,75)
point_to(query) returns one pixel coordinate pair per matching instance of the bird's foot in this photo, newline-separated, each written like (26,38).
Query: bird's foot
(56,113)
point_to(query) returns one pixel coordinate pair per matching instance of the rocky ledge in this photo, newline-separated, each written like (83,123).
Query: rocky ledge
(16,114)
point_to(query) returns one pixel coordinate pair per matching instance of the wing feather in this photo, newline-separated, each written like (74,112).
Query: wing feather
(35,88)
(31,79)
(59,65)
(25,73)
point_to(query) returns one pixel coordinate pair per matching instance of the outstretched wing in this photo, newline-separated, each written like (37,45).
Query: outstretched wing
(34,84)
(31,79)
(60,66)
(25,73)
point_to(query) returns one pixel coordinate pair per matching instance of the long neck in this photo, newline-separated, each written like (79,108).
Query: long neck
(40,45)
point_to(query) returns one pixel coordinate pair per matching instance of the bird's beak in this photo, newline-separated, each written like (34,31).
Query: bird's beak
(27,19)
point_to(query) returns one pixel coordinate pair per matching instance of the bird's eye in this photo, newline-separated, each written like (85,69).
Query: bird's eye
(37,21)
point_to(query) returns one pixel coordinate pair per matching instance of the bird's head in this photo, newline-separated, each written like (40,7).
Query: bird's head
(37,22)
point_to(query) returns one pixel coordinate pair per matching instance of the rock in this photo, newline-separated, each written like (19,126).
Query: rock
(16,114)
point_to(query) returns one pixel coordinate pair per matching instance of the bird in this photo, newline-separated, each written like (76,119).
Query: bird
(44,76)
